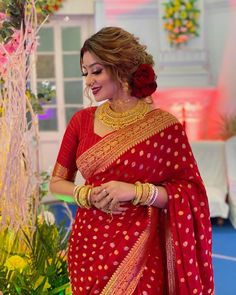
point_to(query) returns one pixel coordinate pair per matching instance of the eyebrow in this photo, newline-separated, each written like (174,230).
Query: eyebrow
(90,66)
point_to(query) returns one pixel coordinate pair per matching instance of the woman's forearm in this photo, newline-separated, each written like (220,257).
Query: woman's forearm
(61,186)
(162,198)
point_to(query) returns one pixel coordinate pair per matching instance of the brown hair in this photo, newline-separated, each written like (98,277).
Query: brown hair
(119,50)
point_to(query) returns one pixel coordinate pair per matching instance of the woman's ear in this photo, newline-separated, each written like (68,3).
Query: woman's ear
(148,99)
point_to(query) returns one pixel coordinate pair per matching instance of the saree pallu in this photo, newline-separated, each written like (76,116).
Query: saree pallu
(145,250)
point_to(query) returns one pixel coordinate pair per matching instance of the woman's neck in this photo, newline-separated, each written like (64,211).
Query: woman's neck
(120,105)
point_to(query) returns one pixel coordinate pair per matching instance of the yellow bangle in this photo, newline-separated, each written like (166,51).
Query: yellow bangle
(146,191)
(145,194)
(82,196)
(76,192)
(138,193)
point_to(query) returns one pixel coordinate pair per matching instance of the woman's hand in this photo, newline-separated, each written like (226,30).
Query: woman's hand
(110,196)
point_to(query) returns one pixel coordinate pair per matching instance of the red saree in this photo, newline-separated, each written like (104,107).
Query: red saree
(145,250)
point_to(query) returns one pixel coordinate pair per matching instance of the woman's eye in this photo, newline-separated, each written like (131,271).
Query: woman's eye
(97,72)
(84,74)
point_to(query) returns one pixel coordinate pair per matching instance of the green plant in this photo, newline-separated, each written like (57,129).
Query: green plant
(34,264)
(228,126)
(33,260)
(45,94)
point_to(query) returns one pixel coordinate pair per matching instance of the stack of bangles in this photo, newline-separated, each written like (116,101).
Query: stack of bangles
(82,195)
(145,194)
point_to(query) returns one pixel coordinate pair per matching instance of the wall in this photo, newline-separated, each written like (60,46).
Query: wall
(75,7)
(221,32)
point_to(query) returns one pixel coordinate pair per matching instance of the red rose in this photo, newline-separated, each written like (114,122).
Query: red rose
(143,75)
(136,93)
(148,89)
(144,91)
(143,82)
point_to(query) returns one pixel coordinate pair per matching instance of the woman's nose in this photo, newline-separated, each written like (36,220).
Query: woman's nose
(89,81)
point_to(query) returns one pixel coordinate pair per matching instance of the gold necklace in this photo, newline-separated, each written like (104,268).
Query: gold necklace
(118,120)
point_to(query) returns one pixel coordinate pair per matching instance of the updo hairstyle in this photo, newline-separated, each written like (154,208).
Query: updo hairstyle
(118,50)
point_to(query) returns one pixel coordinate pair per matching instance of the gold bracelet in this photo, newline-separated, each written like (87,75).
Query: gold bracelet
(138,192)
(89,197)
(76,192)
(146,192)
(82,195)
(149,196)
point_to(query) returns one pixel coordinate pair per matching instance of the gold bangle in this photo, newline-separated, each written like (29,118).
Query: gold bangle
(82,195)
(89,197)
(138,192)
(146,191)
(145,194)
(149,196)
(76,192)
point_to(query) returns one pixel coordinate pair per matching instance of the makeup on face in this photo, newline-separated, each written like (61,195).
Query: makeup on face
(98,78)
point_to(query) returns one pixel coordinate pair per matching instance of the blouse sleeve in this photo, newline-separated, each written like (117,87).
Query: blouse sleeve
(65,166)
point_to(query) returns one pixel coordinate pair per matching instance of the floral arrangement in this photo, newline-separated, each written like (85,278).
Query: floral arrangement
(181,20)
(34,260)
(34,265)
(12,13)
(48,6)
(143,82)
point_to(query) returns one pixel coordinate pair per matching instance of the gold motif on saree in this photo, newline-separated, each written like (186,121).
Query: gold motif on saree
(110,148)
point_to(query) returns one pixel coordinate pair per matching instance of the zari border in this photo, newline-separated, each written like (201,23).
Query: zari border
(125,279)
(170,257)
(111,147)
(62,172)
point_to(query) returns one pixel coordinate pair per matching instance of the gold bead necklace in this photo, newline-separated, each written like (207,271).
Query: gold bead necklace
(118,120)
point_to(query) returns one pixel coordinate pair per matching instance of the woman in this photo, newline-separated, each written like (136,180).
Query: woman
(144,225)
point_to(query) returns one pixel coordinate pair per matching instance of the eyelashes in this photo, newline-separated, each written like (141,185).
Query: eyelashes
(97,72)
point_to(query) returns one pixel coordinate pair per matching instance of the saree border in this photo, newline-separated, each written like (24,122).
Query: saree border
(111,147)
(125,279)
(63,172)
(170,258)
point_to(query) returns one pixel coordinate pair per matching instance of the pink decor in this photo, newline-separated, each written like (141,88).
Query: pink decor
(114,7)
(190,105)
(19,173)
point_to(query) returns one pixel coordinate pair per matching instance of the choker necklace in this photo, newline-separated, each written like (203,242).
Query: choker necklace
(118,120)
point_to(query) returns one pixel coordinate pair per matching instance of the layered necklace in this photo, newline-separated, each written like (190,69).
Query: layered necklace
(118,120)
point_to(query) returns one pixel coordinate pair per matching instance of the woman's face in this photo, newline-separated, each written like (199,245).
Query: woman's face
(97,78)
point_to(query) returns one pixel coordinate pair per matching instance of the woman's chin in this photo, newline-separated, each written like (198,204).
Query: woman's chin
(99,99)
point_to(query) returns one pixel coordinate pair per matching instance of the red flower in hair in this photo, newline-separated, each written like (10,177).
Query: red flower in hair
(143,81)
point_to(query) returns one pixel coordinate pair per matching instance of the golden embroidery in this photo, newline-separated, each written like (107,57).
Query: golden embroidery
(125,278)
(62,172)
(170,252)
(110,148)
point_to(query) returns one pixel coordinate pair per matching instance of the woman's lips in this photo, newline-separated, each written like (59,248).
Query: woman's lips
(95,90)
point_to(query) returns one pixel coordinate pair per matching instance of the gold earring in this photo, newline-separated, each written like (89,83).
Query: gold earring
(126,87)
